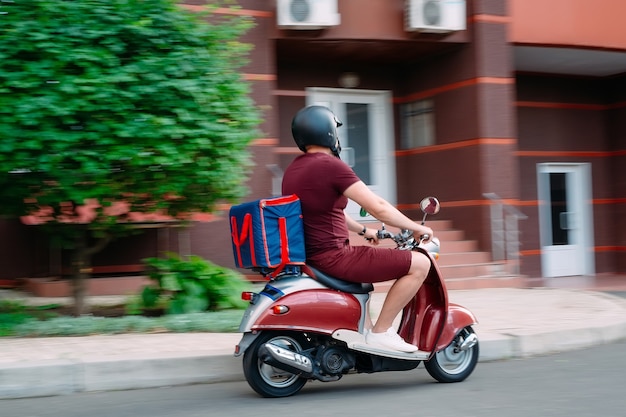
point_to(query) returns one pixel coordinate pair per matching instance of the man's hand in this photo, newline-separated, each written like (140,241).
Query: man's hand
(371,235)
(425,231)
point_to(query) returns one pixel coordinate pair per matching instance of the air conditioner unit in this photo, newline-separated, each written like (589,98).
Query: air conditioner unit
(307,14)
(435,16)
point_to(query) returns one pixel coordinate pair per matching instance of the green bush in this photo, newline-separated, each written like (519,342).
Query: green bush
(14,313)
(192,284)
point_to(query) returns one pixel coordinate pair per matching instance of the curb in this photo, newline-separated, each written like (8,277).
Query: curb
(62,377)
(503,347)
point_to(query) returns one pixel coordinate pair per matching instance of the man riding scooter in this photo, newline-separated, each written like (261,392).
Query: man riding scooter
(324,183)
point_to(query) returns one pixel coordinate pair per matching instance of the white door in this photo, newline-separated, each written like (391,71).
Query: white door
(366,136)
(565,219)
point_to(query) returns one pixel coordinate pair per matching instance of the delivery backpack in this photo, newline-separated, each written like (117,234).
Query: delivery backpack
(268,235)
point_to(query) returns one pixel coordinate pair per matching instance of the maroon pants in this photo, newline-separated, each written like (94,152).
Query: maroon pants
(362,263)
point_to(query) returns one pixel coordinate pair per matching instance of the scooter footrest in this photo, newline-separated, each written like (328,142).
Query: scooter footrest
(414,356)
(356,341)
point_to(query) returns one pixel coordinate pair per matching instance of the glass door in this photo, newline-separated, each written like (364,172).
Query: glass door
(566,224)
(366,136)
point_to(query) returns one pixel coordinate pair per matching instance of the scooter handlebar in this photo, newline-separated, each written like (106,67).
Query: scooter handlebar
(403,235)
(405,240)
(385,234)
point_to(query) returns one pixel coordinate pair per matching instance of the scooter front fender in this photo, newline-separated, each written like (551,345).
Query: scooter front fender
(458,318)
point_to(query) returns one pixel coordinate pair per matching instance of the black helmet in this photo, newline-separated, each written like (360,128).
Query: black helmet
(316,125)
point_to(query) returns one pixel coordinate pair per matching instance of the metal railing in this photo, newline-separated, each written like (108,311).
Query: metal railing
(505,235)
(277,179)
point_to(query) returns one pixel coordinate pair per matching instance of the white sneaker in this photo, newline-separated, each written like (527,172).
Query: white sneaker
(389,340)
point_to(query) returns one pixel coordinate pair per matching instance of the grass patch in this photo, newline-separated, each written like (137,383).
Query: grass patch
(18,320)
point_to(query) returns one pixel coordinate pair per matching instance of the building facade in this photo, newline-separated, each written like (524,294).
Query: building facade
(512,114)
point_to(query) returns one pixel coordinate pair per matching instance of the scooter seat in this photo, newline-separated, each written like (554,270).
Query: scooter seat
(338,284)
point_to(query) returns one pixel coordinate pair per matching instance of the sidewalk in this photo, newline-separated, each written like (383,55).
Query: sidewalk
(513,323)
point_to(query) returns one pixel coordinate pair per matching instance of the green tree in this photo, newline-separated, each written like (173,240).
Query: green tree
(110,107)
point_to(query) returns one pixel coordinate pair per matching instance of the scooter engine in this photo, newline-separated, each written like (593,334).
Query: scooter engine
(334,361)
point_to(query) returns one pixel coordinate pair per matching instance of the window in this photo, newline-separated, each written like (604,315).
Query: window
(418,120)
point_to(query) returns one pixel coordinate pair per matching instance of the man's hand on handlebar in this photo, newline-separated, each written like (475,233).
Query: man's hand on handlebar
(403,235)
(371,235)
(426,234)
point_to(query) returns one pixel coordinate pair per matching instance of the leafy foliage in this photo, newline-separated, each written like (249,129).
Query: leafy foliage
(11,314)
(14,314)
(105,103)
(192,285)
(226,321)
(121,100)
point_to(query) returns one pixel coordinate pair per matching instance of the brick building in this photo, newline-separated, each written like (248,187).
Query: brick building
(486,104)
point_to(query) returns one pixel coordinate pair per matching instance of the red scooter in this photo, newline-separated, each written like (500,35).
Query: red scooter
(306,325)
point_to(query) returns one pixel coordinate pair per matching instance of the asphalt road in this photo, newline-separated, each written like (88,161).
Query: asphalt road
(581,383)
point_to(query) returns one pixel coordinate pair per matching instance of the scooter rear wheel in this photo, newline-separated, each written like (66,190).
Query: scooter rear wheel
(453,364)
(268,380)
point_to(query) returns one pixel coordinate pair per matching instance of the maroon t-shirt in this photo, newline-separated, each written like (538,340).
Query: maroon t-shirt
(319,180)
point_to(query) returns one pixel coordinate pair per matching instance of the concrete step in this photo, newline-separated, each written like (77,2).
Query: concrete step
(456,246)
(463,258)
(462,264)
(509,281)
(470,282)
(448,235)
(474,270)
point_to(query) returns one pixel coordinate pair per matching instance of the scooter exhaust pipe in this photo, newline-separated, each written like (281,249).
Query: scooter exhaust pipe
(286,360)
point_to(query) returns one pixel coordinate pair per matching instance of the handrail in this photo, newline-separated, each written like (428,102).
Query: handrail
(277,178)
(512,210)
(505,241)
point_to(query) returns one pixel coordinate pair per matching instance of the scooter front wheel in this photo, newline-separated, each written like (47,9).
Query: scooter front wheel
(266,379)
(457,361)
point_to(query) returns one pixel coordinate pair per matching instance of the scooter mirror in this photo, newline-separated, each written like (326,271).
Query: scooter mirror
(430,205)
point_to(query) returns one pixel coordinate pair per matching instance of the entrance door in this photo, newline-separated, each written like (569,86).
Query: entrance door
(565,219)
(366,136)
